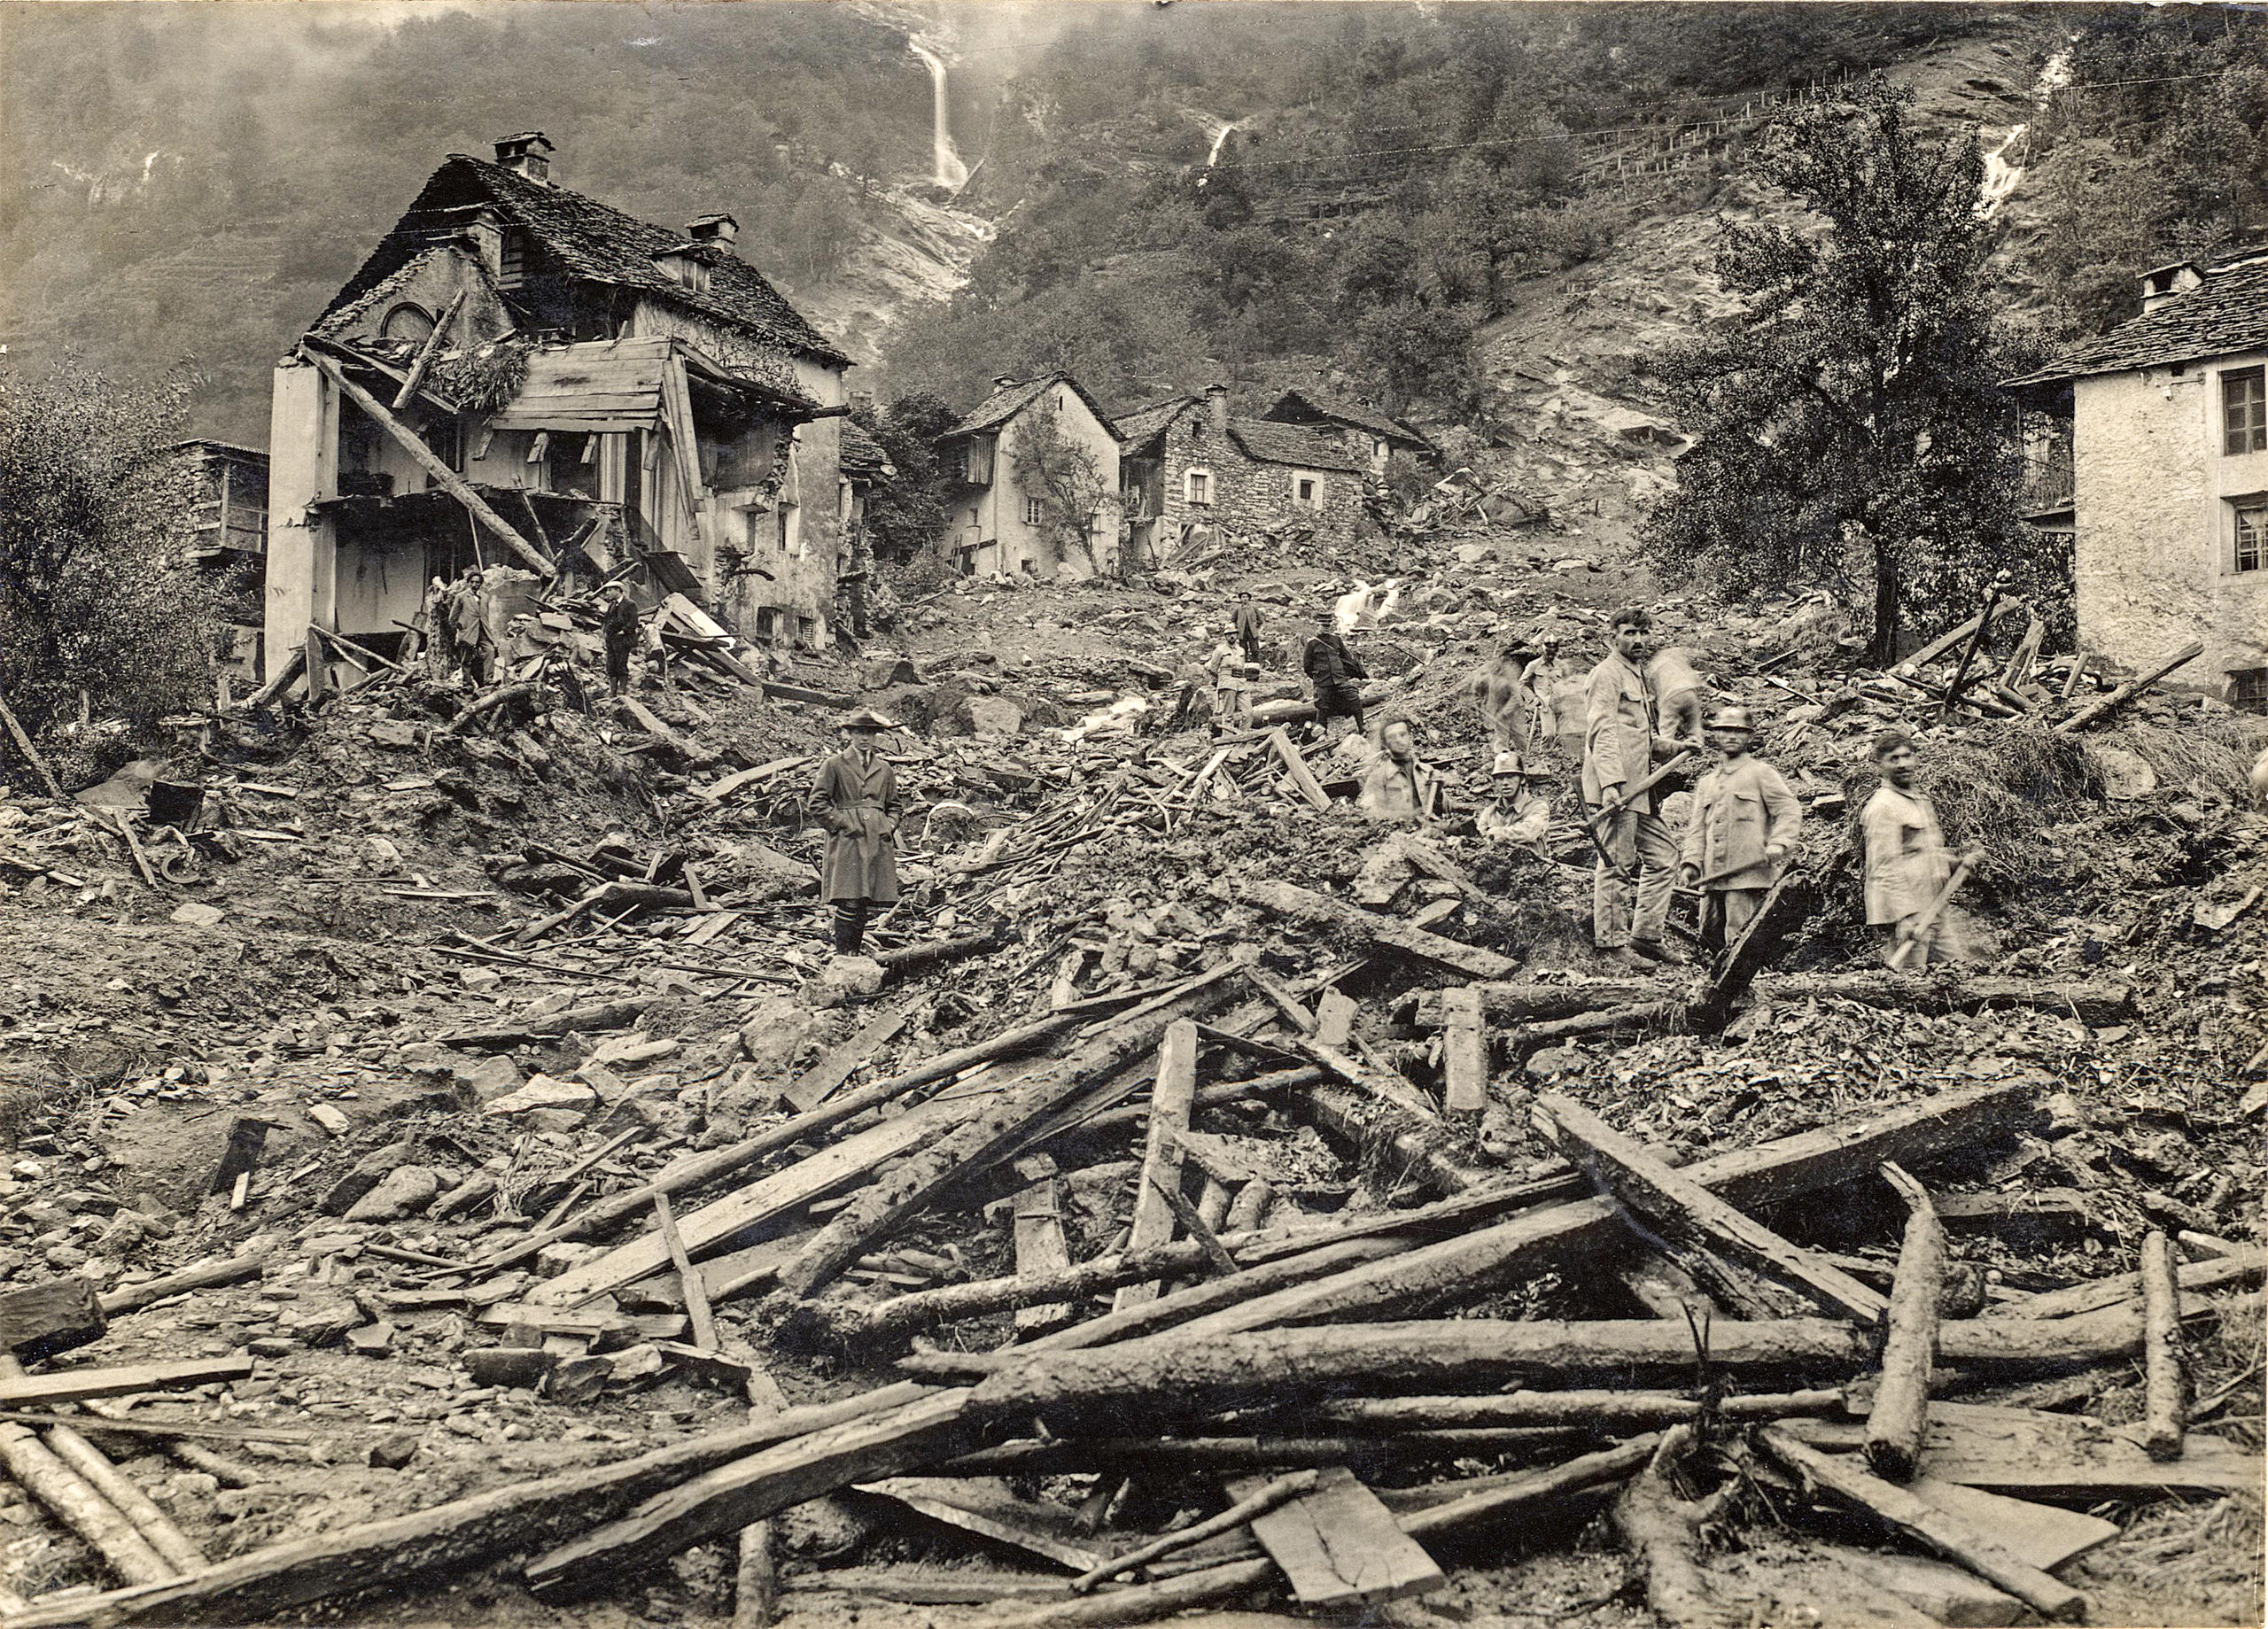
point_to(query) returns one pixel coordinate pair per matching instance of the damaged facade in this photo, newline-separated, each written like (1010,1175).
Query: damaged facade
(1188,462)
(998,519)
(229,540)
(2149,445)
(519,375)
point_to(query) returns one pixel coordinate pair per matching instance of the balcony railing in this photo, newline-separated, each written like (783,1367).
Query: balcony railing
(2047,482)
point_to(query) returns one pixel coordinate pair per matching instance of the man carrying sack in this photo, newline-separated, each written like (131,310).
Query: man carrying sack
(856,800)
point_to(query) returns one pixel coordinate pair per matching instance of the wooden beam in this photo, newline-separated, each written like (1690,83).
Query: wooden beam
(42,1319)
(1162,1152)
(70,1385)
(1296,768)
(1465,1054)
(1339,1546)
(447,479)
(1688,1209)
(2164,1408)
(1041,1249)
(426,353)
(2128,691)
(1902,1397)
(1382,934)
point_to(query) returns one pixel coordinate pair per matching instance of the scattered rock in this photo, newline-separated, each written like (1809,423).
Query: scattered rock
(404,1191)
(543,1092)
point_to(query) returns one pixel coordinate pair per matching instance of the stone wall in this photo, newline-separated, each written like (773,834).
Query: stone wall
(2154,541)
(1246,493)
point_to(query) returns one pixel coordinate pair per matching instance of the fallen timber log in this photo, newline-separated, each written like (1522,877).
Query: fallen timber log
(378,1555)
(1171,1378)
(1910,1341)
(601,1015)
(998,1133)
(1485,1257)
(1603,1409)
(1525,1003)
(1378,934)
(1365,1454)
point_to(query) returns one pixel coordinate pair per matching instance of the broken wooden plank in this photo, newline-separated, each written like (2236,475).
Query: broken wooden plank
(987,1509)
(1000,1131)
(2035,1454)
(761,1484)
(1481,1257)
(1339,1546)
(377,1556)
(70,1386)
(1465,1054)
(2195,1277)
(1894,1426)
(717,792)
(1378,934)
(688,1277)
(595,1016)
(1258,1499)
(2096,710)
(1161,1154)
(1296,768)
(761,1201)
(2046,1536)
(2164,1408)
(1949,1535)
(1042,1250)
(1687,1210)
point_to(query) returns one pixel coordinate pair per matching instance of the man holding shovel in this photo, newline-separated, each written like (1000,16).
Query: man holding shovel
(1743,824)
(1637,865)
(1910,874)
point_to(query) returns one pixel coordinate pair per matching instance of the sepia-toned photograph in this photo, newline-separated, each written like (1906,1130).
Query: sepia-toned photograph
(1043,814)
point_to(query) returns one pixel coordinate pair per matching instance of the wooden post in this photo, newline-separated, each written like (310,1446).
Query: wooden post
(1170,1105)
(426,353)
(1464,1053)
(2162,1409)
(1902,1398)
(31,753)
(2128,691)
(696,1293)
(447,479)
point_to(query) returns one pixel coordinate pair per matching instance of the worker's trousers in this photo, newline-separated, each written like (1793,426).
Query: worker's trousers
(1725,914)
(1624,911)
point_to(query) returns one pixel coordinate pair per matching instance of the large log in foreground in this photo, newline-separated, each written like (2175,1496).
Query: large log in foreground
(1169,1379)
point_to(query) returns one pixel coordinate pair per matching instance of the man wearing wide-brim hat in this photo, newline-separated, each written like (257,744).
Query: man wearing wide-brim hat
(1744,823)
(856,800)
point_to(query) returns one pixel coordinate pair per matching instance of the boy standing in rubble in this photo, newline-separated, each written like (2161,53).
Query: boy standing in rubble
(1907,862)
(618,626)
(1742,827)
(1628,914)
(856,800)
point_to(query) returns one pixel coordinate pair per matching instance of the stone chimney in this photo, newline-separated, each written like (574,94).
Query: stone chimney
(719,229)
(2170,282)
(527,154)
(1216,402)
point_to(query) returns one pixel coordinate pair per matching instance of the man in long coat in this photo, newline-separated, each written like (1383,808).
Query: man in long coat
(1628,916)
(857,802)
(1337,674)
(1247,626)
(1744,823)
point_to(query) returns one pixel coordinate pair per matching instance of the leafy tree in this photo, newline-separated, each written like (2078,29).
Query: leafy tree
(97,592)
(1849,428)
(1067,479)
(908,513)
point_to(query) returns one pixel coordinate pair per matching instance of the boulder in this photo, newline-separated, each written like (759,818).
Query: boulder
(543,1092)
(992,714)
(775,1032)
(488,1079)
(405,1191)
(844,979)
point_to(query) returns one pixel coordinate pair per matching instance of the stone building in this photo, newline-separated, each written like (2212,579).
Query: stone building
(1189,462)
(2149,446)
(998,520)
(229,540)
(1357,423)
(520,375)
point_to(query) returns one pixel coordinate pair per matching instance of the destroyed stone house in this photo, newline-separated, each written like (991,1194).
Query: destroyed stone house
(2149,446)
(1189,462)
(1000,518)
(228,540)
(519,375)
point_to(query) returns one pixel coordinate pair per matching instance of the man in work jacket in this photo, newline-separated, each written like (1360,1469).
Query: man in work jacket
(1743,824)
(1628,914)
(1338,675)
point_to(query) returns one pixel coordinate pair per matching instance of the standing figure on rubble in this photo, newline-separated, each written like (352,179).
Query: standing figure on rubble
(475,650)
(1501,694)
(1246,626)
(1629,914)
(1907,862)
(1399,786)
(619,626)
(1743,824)
(856,800)
(1337,674)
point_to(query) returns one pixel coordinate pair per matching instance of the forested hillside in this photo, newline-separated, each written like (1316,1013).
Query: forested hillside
(191,182)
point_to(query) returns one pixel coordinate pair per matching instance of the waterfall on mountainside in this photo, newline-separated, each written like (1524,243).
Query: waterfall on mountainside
(951,174)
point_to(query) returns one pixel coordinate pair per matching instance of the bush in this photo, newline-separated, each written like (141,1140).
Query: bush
(96,591)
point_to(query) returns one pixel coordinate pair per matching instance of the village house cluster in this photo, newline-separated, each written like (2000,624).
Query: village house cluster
(520,375)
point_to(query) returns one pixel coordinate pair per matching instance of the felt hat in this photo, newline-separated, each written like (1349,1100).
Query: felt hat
(1509,763)
(867,719)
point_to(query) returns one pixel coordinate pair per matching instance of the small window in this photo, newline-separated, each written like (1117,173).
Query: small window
(512,258)
(2248,689)
(2252,551)
(1197,486)
(2244,411)
(976,467)
(1031,511)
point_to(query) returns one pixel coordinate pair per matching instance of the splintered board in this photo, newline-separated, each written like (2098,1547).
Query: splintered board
(2036,1455)
(1339,1546)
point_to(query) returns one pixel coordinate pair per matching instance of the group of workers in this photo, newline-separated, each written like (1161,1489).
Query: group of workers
(455,620)
(1643,718)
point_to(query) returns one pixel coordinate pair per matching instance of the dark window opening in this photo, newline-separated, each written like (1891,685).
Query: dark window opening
(2244,411)
(2251,552)
(2248,689)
